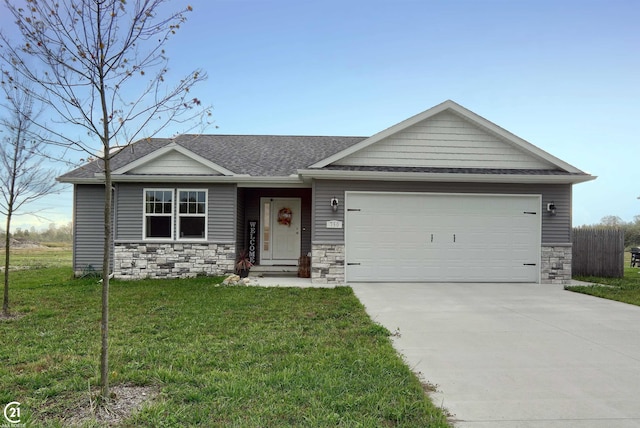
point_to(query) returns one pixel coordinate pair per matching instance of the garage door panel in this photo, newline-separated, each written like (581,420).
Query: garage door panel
(427,237)
(496,273)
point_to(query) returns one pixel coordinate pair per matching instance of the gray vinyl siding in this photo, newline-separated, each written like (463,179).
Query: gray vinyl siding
(129,203)
(88,224)
(555,229)
(222,213)
(241,222)
(221,217)
(445,140)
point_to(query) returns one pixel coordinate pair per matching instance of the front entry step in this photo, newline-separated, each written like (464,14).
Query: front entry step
(277,270)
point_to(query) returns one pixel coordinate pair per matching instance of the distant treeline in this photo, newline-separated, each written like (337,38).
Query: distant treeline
(55,233)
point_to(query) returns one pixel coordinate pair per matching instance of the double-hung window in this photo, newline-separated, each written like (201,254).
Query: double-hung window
(158,214)
(179,213)
(192,214)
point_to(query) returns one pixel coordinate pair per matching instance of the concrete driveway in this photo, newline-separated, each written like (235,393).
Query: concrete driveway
(516,355)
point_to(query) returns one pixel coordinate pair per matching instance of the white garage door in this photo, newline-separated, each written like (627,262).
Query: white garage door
(411,237)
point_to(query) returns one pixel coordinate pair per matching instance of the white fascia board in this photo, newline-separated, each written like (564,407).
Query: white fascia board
(298,183)
(170,178)
(241,180)
(84,180)
(444,177)
(293,180)
(168,148)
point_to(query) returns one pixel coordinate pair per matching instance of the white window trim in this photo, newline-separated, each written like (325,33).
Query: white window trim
(175,214)
(145,214)
(205,215)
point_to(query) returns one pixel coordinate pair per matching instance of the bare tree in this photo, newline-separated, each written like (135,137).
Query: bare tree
(612,221)
(23,177)
(101,66)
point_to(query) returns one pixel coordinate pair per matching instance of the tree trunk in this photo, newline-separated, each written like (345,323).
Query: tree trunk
(106,256)
(10,208)
(106,262)
(7,256)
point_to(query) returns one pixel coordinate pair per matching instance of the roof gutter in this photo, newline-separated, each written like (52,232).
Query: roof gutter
(241,180)
(303,177)
(443,177)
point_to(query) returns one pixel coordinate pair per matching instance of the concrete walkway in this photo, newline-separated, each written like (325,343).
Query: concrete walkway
(517,355)
(283,281)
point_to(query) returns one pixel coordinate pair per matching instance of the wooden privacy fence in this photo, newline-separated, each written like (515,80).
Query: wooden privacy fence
(598,252)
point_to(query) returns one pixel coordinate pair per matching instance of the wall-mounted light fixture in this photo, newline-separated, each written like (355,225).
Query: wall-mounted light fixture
(334,204)
(551,208)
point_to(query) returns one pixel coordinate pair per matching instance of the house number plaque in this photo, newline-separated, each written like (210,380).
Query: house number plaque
(334,224)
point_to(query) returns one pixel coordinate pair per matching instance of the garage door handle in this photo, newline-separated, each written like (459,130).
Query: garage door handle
(353,264)
(529,264)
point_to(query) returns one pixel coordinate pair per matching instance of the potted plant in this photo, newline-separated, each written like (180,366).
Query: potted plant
(243,264)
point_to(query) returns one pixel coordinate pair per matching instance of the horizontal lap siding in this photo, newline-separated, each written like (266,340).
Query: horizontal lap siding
(221,210)
(88,237)
(129,205)
(240,221)
(173,163)
(222,213)
(555,229)
(445,140)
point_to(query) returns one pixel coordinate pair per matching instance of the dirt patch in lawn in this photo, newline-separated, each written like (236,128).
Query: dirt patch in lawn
(125,401)
(11,316)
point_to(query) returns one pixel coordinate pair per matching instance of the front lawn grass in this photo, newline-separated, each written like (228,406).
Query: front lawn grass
(625,289)
(220,356)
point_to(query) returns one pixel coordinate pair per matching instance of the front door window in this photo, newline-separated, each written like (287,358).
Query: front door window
(266,230)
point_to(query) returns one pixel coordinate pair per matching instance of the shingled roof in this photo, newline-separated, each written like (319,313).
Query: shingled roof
(254,155)
(446,141)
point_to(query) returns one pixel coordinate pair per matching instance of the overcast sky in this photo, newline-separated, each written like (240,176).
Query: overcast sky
(562,74)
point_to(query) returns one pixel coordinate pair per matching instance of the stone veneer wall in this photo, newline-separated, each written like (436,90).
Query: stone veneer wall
(556,264)
(172,260)
(327,263)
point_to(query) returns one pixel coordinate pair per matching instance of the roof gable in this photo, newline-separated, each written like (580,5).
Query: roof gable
(447,135)
(172,159)
(446,142)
